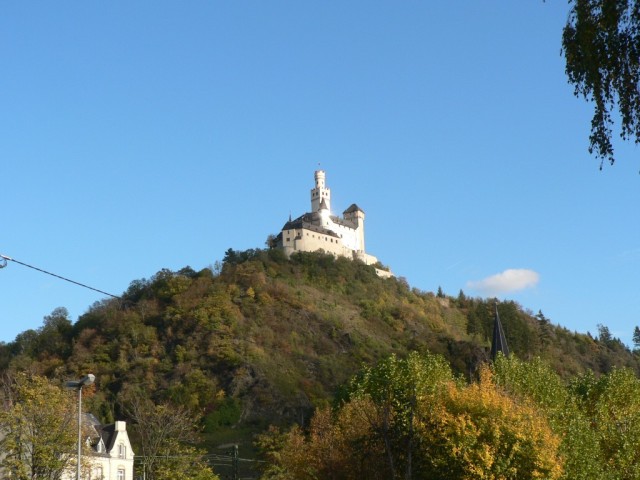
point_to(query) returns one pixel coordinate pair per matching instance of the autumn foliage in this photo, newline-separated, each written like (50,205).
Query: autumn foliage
(425,426)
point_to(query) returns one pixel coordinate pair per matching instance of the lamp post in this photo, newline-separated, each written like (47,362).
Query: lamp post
(77,385)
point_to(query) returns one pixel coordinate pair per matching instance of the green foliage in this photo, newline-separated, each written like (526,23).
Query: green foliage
(182,462)
(226,414)
(266,339)
(636,339)
(411,419)
(394,386)
(612,405)
(271,445)
(604,335)
(601,46)
(535,381)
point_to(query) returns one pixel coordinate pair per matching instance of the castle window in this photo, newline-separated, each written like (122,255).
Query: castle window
(122,451)
(288,239)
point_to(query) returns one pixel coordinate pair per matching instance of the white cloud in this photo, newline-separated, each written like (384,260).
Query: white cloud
(511,280)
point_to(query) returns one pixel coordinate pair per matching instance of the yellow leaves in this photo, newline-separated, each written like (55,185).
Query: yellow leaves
(36,425)
(487,434)
(411,417)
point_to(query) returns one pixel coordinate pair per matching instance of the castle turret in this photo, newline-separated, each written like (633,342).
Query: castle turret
(324,213)
(320,193)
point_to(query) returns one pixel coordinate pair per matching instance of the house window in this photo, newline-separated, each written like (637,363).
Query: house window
(122,451)
(99,474)
(120,475)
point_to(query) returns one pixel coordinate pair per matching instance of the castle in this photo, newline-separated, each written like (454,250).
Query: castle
(320,230)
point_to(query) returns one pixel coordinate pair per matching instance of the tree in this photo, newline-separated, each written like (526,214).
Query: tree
(462,299)
(165,432)
(612,404)
(601,46)
(182,462)
(272,241)
(604,335)
(55,333)
(535,382)
(272,447)
(480,432)
(339,446)
(411,419)
(544,329)
(636,339)
(394,387)
(38,429)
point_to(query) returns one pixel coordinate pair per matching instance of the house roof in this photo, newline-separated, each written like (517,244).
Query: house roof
(310,221)
(313,221)
(353,208)
(106,433)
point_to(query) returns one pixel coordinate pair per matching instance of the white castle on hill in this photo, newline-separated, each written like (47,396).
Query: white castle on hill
(319,230)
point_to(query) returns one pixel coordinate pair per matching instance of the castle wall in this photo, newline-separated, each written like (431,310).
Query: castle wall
(311,241)
(304,240)
(350,237)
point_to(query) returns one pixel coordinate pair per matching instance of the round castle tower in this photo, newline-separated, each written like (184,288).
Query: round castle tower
(320,192)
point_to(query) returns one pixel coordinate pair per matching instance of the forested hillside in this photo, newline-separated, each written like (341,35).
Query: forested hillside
(262,340)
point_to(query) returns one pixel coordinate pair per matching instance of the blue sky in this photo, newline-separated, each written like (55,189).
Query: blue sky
(137,136)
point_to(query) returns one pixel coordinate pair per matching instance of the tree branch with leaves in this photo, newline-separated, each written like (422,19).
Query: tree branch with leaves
(601,46)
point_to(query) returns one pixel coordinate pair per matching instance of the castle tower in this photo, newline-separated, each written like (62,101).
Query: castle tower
(320,193)
(355,215)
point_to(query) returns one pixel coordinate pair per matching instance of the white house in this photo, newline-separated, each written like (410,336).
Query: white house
(320,230)
(111,456)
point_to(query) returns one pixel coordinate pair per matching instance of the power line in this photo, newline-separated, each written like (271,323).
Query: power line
(5,259)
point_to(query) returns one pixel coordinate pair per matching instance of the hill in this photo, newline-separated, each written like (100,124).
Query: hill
(261,339)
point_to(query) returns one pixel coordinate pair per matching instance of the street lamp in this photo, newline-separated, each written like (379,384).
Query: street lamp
(77,385)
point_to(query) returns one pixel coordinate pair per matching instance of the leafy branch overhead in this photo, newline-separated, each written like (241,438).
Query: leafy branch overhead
(601,46)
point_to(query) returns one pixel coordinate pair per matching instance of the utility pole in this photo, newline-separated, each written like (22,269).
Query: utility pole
(234,462)
(77,385)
